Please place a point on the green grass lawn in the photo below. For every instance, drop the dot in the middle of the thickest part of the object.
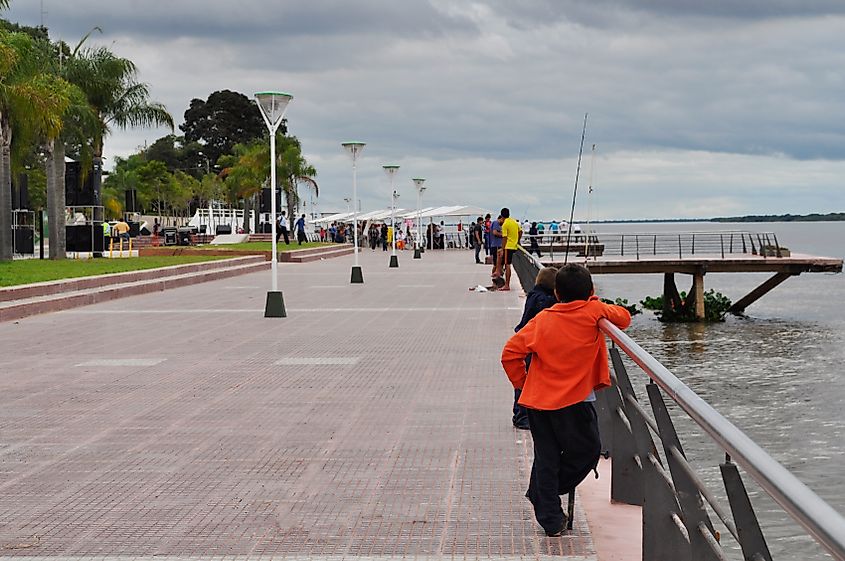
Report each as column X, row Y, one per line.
column 25, row 271
column 265, row 246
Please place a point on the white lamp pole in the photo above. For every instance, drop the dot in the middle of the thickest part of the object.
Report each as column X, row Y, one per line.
column 418, row 183
column 273, row 106
column 391, row 170
column 354, row 149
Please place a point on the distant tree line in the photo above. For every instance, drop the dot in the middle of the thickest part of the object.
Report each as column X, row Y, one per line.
column 815, row 217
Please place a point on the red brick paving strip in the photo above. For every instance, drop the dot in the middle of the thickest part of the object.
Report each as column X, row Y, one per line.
column 220, row 451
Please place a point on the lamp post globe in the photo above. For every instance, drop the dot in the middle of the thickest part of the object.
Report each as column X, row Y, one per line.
column 354, row 149
column 272, row 106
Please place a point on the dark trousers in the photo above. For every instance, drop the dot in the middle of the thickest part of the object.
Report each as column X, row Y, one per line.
column 477, row 251
column 301, row 237
column 534, row 247
column 283, row 232
column 566, row 449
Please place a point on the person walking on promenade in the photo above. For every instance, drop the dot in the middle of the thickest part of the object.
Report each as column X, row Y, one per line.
column 569, row 362
column 384, row 237
column 300, row 230
column 533, row 237
column 511, row 234
column 496, row 245
column 542, row 296
column 283, row 229
column 476, row 233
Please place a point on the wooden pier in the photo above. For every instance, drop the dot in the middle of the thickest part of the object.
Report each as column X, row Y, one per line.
column 752, row 253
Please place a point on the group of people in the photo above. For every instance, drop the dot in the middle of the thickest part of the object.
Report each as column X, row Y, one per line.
column 500, row 239
column 298, row 227
column 381, row 235
column 555, row 361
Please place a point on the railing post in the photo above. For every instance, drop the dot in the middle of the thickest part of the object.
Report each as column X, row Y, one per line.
column 751, row 538
column 692, row 245
column 637, row 239
column 777, row 245
column 623, row 245
column 654, row 249
column 722, row 244
column 680, row 250
column 626, row 483
column 695, row 516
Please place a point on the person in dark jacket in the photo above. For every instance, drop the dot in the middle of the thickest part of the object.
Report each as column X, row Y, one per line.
column 534, row 238
column 542, row 296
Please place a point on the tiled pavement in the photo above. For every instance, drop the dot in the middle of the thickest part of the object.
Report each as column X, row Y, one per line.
column 371, row 423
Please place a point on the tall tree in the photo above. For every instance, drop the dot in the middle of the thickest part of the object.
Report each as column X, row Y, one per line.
column 116, row 97
column 32, row 103
column 225, row 119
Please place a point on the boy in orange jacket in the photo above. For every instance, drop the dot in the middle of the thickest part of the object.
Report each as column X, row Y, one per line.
column 569, row 362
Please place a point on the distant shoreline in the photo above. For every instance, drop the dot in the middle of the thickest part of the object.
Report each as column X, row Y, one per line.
column 830, row 217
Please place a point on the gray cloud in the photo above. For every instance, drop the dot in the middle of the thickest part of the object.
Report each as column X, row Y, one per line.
column 493, row 93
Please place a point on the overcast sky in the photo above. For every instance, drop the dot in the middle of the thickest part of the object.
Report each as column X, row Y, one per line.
column 697, row 109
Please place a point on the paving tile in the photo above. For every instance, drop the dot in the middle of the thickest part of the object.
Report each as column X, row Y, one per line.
column 371, row 423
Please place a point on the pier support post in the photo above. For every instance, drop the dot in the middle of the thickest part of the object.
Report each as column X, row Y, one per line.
column 671, row 298
column 698, row 288
column 740, row 305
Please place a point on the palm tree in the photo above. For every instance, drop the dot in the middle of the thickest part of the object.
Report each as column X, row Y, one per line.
column 117, row 99
column 294, row 169
column 32, row 103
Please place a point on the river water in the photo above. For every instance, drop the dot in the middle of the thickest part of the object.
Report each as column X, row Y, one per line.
column 776, row 372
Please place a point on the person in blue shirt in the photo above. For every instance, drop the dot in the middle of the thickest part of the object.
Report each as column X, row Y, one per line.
column 300, row 230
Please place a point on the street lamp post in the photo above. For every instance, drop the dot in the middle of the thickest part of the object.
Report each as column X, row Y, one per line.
column 418, row 183
column 354, row 149
column 391, row 173
column 272, row 106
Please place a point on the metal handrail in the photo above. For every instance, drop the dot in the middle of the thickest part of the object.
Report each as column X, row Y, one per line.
column 817, row 517
column 677, row 244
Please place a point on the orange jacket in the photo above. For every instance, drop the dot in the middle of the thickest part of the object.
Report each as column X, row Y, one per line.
column 569, row 354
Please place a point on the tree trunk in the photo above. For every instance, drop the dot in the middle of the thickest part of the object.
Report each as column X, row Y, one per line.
column 292, row 198
column 5, row 190
column 56, row 199
column 247, row 201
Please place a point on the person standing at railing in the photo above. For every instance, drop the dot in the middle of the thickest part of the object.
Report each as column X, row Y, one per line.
column 542, row 296
column 496, row 245
column 533, row 234
column 511, row 235
column 487, row 224
column 569, row 362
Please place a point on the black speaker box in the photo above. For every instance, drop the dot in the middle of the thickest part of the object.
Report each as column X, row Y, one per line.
column 77, row 192
column 79, row 238
column 264, row 203
column 24, row 240
column 131, row 196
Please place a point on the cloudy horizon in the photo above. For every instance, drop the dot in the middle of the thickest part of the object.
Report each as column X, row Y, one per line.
column 696, row 109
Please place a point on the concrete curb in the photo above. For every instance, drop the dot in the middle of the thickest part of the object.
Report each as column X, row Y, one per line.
column 94, row 296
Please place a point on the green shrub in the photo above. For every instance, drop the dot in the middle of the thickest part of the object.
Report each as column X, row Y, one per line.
column 716, row 306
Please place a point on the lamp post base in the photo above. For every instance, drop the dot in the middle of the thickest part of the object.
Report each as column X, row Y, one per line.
column 275, row 306
column 394, row 261
column 417, row 253
column 357, row 275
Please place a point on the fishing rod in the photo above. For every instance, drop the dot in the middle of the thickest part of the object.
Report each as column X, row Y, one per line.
column 575, row 191
column 589, row 205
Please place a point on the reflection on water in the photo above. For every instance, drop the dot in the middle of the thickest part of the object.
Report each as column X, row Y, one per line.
column 776, row 374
